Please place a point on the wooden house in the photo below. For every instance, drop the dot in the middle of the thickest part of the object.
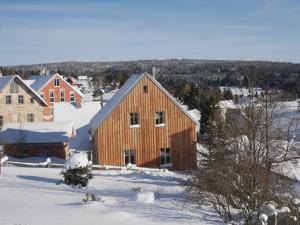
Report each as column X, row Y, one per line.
column 53, row 88
column 143, row 124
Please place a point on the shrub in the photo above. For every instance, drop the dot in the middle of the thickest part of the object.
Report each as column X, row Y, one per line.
column 78, row 176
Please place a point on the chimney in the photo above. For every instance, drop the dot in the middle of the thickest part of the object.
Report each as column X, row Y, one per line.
column 154, row 72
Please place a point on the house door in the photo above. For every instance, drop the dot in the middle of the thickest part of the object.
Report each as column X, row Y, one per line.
column 129, row 157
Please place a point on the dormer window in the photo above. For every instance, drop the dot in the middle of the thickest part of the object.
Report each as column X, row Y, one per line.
column 56, row 82
column 14, row 88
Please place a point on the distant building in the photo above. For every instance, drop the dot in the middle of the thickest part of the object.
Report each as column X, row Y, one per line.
column 19, row 102
column 44, row 139
column 143, row 124
column 242, row 95
column 53, row 88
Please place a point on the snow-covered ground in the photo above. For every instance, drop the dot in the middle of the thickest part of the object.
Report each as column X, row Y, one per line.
column 31, row 196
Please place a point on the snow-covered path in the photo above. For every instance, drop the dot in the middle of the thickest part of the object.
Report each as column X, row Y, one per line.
column 31, row 196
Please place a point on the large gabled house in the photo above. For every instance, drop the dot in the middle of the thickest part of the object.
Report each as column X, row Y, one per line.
column 53, row 88
column 19, row 102
column 143, row 124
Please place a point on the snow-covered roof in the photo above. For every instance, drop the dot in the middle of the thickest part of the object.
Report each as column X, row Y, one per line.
column 6, row 80
column 227, row 104
column 242, row 91
column 122, row 93
column 41, row 81
column 64, row 111
column 83, row 78
column 37, row 132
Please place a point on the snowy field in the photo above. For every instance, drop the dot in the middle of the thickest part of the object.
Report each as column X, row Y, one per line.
column 30, row 196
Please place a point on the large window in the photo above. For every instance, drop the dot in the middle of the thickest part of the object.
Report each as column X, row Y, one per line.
column 62, row 95
column 1, row 121
column 30, row 117
column 14, row 88
column 129, row 157
column 56, row 82
column 20, row 99
column 165, row 156
column 72, row 96
column 134, row 119
column 8, row 99
column 159, row 118
column 51, row 94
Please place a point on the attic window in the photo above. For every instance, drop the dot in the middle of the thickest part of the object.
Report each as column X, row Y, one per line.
column 14, row 88
column 145, row 88
column 56, row 82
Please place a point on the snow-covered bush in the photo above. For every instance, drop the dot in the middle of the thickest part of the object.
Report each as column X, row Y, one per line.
column 77, row 170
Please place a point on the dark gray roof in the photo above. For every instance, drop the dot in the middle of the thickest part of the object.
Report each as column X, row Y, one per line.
column 4, row 80
column 39, row 81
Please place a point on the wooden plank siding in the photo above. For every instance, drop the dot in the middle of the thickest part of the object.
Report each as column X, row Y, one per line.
column 114, row 135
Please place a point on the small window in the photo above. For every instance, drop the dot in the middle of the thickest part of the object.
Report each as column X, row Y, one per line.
column 14, row 88
column 8, row 99
column 1, row 121
column 62, row 95
column 72, row 96
column 31, row 100
column 145, row 88
column 134, row 119
column 160, row 118
column 20, row 99
column 51, row 94
column 30, row 117
column 165, row 156
column 56, row 82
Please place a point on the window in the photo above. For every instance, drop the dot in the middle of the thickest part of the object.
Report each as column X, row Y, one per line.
column 14, row 88
column 56, row 82
column 20, row 99
column 8, row 99
column 30, row 117
column 160, row 118
column 1, row 121
column 31, row 100
column 129, row 157
column 145, row 88
column 51, row 94
column 134, row 119
column 165, row 156
column 62, row 95
column 72, row 96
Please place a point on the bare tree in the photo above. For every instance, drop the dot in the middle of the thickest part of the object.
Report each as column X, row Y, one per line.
column 243, row 169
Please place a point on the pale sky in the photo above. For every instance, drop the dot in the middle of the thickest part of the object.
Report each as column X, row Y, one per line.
column 54, row 31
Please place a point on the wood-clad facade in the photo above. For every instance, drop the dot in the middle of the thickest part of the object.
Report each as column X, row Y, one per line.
column 114, row 136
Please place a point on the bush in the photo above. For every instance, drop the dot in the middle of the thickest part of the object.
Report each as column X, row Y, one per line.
column 78, row 176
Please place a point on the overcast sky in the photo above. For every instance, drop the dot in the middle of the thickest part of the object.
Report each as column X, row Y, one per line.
column 53, row 31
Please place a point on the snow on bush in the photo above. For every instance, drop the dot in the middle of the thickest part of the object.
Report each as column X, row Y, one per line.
column 145, row 196
column 263, row 218
column 285, row 209
column 77, row 160
column 78, row 170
